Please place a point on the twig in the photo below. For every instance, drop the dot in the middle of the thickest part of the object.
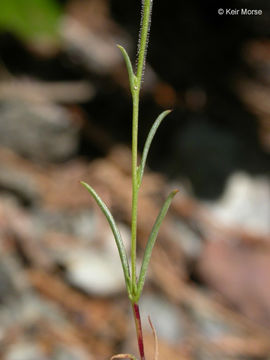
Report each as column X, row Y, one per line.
column 155, row 338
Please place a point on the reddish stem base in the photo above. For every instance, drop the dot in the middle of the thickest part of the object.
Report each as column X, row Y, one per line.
column 137, row 318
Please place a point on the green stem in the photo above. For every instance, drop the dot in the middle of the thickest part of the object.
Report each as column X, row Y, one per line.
column 134, row 190
column 145, row 25
column 144, row 32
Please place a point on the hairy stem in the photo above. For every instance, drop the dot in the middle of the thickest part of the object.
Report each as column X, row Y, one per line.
column 145, row 24
column 134, row 191
column 138, row 324
column 143, row 41
column 144, row 32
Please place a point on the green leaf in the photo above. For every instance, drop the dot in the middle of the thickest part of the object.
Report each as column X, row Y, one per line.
column 132, row 77
column 148, row 142
column 30, row 19
column 151, row 242
column 116, row 233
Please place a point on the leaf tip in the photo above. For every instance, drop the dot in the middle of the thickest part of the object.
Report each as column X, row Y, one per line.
column 84, row 184
column 174, row 192
column 122, row 49
column 166, row 112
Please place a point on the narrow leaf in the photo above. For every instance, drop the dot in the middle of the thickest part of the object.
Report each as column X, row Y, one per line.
column 148, row 142
column 131, row 75
column 151, row 242
column 115, row 231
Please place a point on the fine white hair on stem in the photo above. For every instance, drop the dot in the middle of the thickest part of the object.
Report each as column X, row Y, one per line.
column 140, row 37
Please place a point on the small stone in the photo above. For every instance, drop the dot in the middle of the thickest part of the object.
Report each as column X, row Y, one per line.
column 25, row 351
column 189, row 241
column 245, row 203
column 95, row 272
column 165, row 317
column 21, row 185
column 39, row 131
column 80, row 224
column 69, row 353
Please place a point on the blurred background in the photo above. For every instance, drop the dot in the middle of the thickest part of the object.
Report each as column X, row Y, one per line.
column 65, row 116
